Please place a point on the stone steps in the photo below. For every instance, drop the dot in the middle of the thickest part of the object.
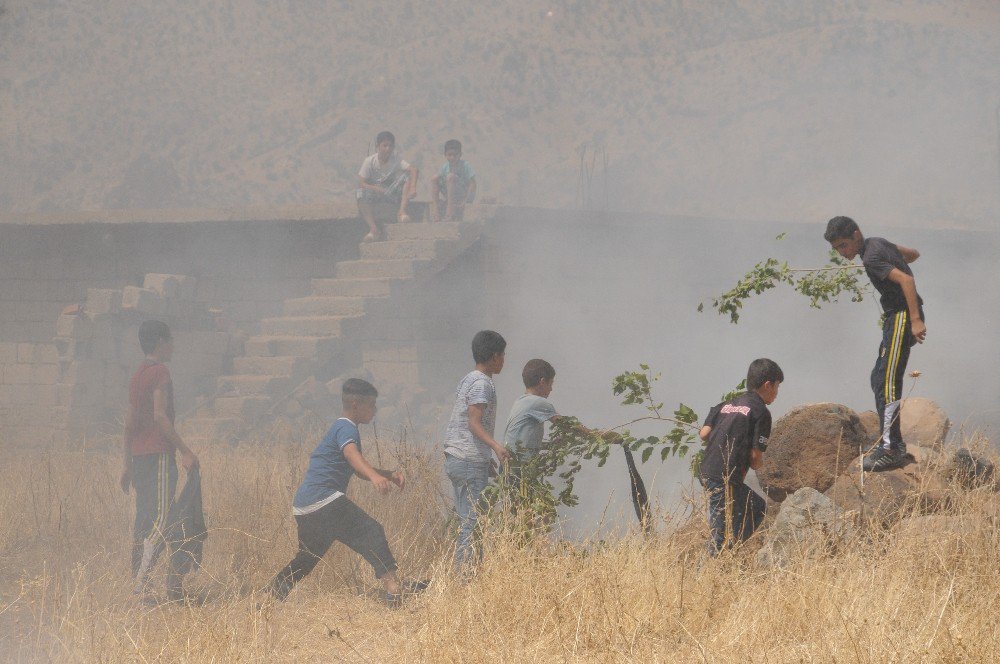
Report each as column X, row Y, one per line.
column 395, row 249
column 284, row 345
column 242, row 385
column 306, row 326
column 241, row 408
column 281, row 365
column 353, row 287
column 369, row 269
column 325, row 305
column 426, row 231
column 317, row 330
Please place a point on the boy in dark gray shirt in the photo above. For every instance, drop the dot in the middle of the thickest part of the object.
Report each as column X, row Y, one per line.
column 887, row 265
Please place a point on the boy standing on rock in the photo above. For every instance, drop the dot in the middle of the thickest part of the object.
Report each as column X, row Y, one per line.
column 736, row 433
column 887, row 265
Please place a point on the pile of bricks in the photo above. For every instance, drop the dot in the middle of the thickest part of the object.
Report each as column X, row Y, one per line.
column 78, row 385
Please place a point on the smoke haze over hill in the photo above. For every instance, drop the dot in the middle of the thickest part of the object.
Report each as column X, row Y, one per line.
column 741, row 110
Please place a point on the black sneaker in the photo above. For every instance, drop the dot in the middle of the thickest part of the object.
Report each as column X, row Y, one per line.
column 882, row 459
column 408, row 588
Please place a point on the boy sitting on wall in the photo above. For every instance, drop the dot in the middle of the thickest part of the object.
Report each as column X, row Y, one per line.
column 386, row 183
column 454, row 185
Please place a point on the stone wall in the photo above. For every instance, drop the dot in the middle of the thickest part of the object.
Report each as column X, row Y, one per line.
column 77, row 386
column 244, row 268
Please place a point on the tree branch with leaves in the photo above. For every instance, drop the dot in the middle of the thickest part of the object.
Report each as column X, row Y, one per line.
column 821, row 285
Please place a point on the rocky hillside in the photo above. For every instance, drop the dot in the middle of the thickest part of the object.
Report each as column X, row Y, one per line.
column 744, row 109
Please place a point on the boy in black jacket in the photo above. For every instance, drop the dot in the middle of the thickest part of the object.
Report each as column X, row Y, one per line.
column 736, row 432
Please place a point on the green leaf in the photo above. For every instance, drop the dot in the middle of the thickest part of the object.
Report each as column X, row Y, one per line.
column 646, row 453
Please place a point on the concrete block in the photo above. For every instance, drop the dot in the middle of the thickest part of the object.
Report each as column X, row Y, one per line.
column 31, row 374
column 166, row 285
column 30, row 395
column 104, row 347
column 79, row 395
column 208, row 342
column 84, row 372
column 37, row 354
column 73, row 326
column 187, row 287
column 8, row 353
column 102, row 301
column 143, row 300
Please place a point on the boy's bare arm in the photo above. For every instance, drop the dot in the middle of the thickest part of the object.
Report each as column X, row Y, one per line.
column 705, row 432
column 909, row 255
column 414, row 176
column 471, row 196
column 366, row 185
column 126, row 476
column 188, row 458
column 382, row 480
column 476, row 427
column 909, row 288
column 756, row 458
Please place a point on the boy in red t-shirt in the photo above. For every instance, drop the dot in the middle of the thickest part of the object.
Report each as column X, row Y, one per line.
column 150, row 444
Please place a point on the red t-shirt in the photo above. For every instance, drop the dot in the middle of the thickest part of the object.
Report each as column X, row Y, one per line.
column 148, row 439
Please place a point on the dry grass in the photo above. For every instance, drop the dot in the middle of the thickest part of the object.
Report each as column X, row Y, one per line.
column 64, row 592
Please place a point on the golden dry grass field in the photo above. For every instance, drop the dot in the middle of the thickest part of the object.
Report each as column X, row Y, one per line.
column 887, row 596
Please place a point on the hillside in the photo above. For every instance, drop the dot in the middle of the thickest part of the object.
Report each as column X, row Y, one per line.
column 791, row 111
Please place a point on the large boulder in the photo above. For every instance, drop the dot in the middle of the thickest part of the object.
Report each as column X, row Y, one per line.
column 810, row 447
column 886, row 496
column 808, row 522
column 923, row 423
column 873, row 427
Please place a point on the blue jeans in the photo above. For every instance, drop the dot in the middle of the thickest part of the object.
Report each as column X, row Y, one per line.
column 746, row 511
column 469, row 480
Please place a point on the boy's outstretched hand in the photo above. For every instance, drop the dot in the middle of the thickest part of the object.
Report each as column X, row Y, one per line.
column 398, row 479
column 381, row 484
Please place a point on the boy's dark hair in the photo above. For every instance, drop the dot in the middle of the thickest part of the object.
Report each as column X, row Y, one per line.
column 385, row 136
column 151, row 333
column 486, row 344
column 535, row 370
column 354, row 389
column 453, row 144
column 839, row 228
column 761, row 371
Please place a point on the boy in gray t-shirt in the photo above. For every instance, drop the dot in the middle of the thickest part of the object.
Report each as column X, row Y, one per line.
column 468, row 443
column 526, row 424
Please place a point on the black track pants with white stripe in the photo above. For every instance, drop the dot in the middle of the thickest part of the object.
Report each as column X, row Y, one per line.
column 154, row 477
column 887, row 376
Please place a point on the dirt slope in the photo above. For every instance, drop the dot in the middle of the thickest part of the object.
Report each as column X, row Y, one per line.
column 793, row 110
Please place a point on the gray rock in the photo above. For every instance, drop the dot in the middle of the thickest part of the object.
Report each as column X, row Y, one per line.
column 807, row 523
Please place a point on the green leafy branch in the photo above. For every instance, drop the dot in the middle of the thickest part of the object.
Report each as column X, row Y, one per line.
column 533, row 487
column 820, row 285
